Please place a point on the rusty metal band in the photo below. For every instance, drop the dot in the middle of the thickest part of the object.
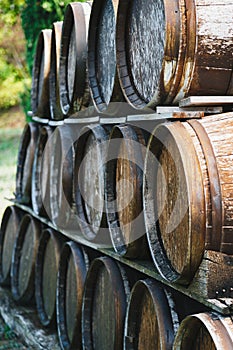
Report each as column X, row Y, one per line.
column 215, row 186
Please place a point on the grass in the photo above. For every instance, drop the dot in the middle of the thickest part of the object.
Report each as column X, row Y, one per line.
column 11, row 127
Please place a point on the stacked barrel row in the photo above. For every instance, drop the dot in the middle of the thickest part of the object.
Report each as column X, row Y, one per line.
column 117, row 57
column 96, row 302
column 160, row 191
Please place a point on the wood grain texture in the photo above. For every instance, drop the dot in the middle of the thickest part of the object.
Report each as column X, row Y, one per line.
column 26, row 153
column 8, row 233
column 40, row 75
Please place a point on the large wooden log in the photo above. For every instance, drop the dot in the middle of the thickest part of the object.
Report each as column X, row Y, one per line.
column 188, row 191
column 167, row 50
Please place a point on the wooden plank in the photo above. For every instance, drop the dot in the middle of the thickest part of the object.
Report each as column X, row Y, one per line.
column 24, row 321
column 81, row 120
column 40, row 120
column 55, row 122
column 168, row 115
column 206, row 101
column 175, row 109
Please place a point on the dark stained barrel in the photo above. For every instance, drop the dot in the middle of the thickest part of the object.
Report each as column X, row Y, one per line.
column 40, row 75
column 26, row 154
column 24, row 259
column 103, row 78
column 8, row 233
column 74, row 91
column 205, row 331
column 47, row 263
column 123, row 190
column 40, row 173
column 54, row 95
column 89, row 181
column 104, row 305
column 63, row 149
column 168, row 50
column 187, row 186
column 151, row 318
column 71, row 277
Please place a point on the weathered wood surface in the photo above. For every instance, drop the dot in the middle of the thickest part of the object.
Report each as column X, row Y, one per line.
column 89, row 182
column 123, row 190
column 46, row 270
column 102, row 74
column 62, row 201
column 8, row 233
column 24, row 321
column 205, row 331
column 151, row 317
column 40, row 75
column 198, row 101
column 169, row 50
column 24, row 259
column 188, row 192
column 41, row 173
column 72, row 272
column 104, row 305
column 74, row 90
column 54, row 93
column 25, row 159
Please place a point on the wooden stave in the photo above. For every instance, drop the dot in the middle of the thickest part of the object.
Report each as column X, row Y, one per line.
column 121, row 284
column 54, row 98
column 62, row 200
column 41, row 206
column 218, row 328
column 194, row 65
column 14, row 214
column 81, row 260
column 164, row 312
column 214, row 173
column 26, row 148
column 77, row 15
column 40, row 95
column 46, row 318
column 137, row 248
column 101, row 135
column 97, row 14
column 25, row 296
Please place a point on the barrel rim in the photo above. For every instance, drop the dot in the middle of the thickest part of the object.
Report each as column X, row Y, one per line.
column 196, row 241
column 28, row 295
column 70, row 250
column 114, row 271
column 101, row 134
column 46, row 235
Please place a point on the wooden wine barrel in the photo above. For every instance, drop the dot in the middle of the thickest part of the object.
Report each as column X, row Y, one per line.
column 26, row 154
column 123, row 190
column 169, row 50
column 104, row 305
column 74, row 91
column 188, row 188
column 46, row 270
column 24, row 259
column 151, row 318
column 102, row 74
column 8, row 233
column 71, row 277
column 54, row 95
column 40, row 173
column 205, row 331
column 62, row 202
column 40, row 75
column 89, row 182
